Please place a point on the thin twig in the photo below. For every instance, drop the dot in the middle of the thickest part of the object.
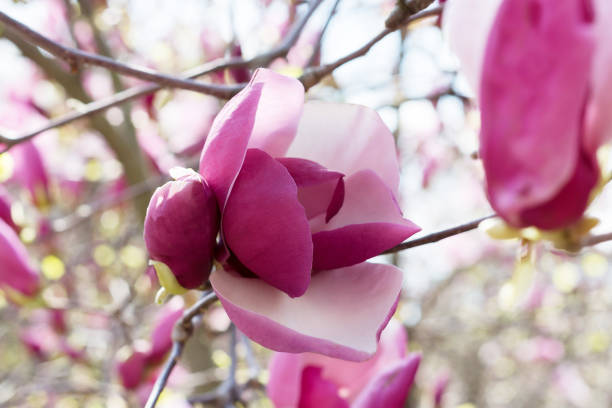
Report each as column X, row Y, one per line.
column 317, row 48
column 313, row 76
column 438, row 236
column 280, row 51
column 77, row 57
column 181, row 333
column 597, row 239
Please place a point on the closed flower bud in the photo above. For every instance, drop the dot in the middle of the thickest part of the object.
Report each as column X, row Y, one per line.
column 180, row 231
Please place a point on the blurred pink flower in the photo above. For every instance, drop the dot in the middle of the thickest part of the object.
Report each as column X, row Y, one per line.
column 31, row 173
column 545, row 90
column 303, row 187
column 16, row 272
column 310, row 380
column 5, row 209
column 440, row 387
column 140, row 366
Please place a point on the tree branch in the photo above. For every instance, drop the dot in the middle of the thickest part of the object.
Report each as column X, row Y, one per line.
column 313, row 76
column 77, row 57
column 438, row 236
column 183, row 329
column 280, row 51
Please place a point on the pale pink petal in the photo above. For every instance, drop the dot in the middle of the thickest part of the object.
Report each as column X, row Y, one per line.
column 318, row 392
column 341, row 314
column 278, row 112
column 347, row 138
column 466, row 25
column 538, row 53
column 368, row 223
column 265, row 226
column 390, row 388
column 599, row 117
column 319, row 189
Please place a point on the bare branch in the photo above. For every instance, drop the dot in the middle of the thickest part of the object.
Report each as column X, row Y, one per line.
column 317, row 48
column 181, row 333
column 438, row 236
column 90, row 109
column 313, row 76
column 77, row 57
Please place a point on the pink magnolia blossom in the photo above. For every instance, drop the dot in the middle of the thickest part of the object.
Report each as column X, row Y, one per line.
column 307, row 191
column 542, row 69
column 310, row 380
column 180, row 230
column 16, row 272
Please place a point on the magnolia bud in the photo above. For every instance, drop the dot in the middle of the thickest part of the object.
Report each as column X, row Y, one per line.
column 180, row 231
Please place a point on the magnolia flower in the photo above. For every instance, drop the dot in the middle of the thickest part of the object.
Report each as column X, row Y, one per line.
column 542, row 72
column 180, row 230
column 310, row 380
column 16, row 272
column 307, row 192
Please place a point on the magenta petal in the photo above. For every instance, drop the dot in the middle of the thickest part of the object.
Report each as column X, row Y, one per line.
column 319, row 189
column 265, row 226
column 227, row 141
column 5, row 209
column 278, row 112
column 368, row 223
column 15, row 270
column 317, row 392
column 131, row 371
column 569, row 204
column 347, row 138
column 340, row 315
column 538, row 53
column 390, row 388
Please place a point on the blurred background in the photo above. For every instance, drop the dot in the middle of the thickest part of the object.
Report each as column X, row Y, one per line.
column 493, row 331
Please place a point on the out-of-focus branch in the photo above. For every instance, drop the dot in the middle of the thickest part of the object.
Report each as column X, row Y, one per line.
column 314, row 75
column 597, row 239
column 76, row 57
column 280, row 51
column 125, row 148
column 438, row 236
column 317, row 48
column 183, row 329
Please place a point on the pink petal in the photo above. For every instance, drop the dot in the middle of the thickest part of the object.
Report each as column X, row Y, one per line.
column 131, row 371
column 265, row 226
column 368, row 223
column 319, row 190
column 340, row 315
column 263, row 115
column 317, row 392
column 390, row 388
column 347, row 138
column 15, row 271
column 599, row 119
column 278, row 112
column 466, row 25
column 538, row 53
column 5, row 208
column 227, row 141
column 31, row 173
